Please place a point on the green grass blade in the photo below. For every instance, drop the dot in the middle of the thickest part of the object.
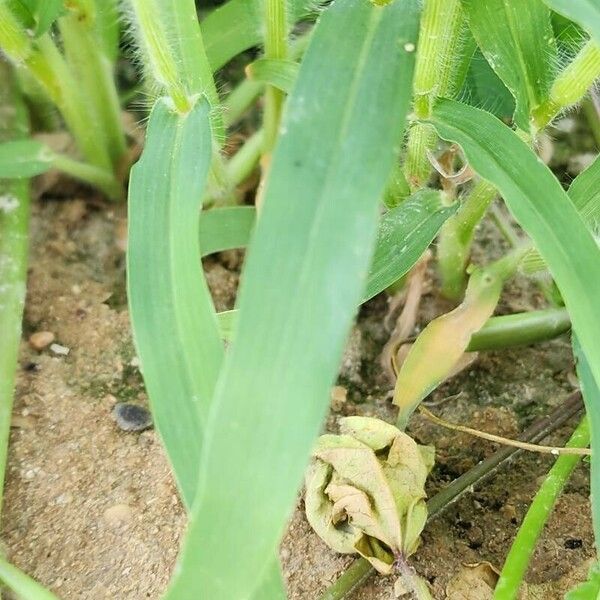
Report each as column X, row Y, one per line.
column 23, row 585
column 517, row 40
column 591, row 397
column 303, row 279
column 238, row 25
column 540, row 205
column 404, row 234
column 226, row 228
column 174, row 323
column 537, row 515
column 584, row 12
column 280, row 73
column 14, row 245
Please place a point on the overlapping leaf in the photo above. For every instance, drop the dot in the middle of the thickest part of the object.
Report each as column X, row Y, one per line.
column 303, row 279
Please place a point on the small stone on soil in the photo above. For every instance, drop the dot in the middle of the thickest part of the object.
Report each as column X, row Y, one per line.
column 132, row 417
column 60, row 350
column 41, row 339
column 117, row 515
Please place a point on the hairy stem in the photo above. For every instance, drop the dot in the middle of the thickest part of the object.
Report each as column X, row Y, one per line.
column 570, row 86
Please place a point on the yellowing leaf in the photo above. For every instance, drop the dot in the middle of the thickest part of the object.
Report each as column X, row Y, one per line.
column 365, row 491
column 443, row 342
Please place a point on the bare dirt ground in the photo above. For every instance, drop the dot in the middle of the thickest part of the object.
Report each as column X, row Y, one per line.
column 92, row 512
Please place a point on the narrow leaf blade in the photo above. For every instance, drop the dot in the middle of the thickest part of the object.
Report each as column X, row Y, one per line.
column 174, row 322
column 405, row 232
column 303, row 279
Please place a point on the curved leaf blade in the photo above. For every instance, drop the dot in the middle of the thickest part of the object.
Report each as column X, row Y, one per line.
column 405, row 232
column 540, row 205
column 303, row 279
column 173, row 318
column 226, row 228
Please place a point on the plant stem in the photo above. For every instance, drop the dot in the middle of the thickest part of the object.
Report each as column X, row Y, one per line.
column 45, row 63
column 102, row 179
column 360, row 570
column 276, row 42
column 14, row 228
column 161, row 61
column 521, row 329
column 243, row 162
column 531, row 528
column 456, row 238
column 95, row 77
column 570, row 86
column 591, row 112
column 435, row 71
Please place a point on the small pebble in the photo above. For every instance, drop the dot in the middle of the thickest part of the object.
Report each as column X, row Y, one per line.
column 117, row 515
column 132, row 417
column 41, row 339
column 60, row 350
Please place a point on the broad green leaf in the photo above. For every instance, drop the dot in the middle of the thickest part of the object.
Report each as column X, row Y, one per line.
column 239, row 25
column 591, row 398
column 174, row 322
column 226, row 228
column 404, row 234
column 517, row 39
column 584, row 12
column 542, row 208
column 278, row 73
column 24, row 158
column 303, row 279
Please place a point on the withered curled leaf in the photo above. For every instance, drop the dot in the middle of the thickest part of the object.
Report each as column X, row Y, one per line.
column 365, row 491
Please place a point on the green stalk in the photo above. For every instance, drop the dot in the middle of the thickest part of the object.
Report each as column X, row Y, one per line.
column 438, row 52
column 523, row 546
column 276, row 47
column 23, row 585
column 48, row 68
column 14, row 227
column 243, row 162
column 570, row 86
column 161, row 61
column 93, row 71
column 191, row 58
column 456, row 238
column 99, row 178
column 520, row 329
